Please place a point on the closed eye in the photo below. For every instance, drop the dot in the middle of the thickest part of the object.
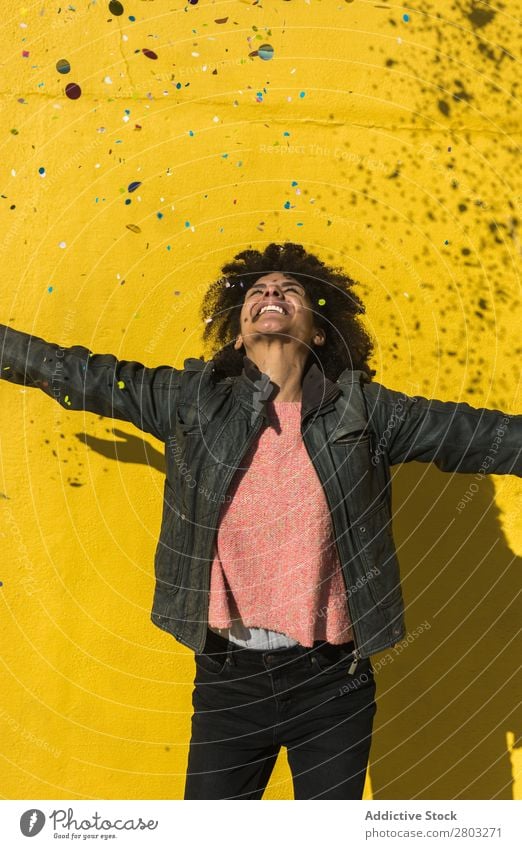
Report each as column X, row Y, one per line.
column 290, row 288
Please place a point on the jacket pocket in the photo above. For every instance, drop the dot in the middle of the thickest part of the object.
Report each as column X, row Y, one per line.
column 376, row 546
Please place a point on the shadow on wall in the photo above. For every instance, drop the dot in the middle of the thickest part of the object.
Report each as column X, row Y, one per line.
column 131, row 449
column 448, row 698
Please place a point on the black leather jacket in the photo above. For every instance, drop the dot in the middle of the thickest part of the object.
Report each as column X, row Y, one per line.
column 353, row 429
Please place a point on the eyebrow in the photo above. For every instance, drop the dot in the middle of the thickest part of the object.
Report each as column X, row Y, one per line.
column 287, row 280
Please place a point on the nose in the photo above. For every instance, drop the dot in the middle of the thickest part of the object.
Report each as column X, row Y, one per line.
column 273, row 289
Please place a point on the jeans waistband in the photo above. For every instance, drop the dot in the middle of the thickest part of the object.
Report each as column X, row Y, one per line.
column 216, row 644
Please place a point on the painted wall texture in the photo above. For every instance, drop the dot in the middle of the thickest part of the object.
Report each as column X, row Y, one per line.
column 143, row 144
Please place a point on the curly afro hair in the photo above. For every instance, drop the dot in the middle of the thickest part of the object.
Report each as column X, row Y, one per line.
column 330, row 290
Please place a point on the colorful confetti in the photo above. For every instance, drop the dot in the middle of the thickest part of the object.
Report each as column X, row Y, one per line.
column 265, row 52
column 133, row 186
column 115, row 8
column 63, row 66
column 73, row 91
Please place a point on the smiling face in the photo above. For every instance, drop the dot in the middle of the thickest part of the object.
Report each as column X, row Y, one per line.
column 277, row 305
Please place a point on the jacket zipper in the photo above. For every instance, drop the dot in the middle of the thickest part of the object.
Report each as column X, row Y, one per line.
column 356, row 652
column 355, row 661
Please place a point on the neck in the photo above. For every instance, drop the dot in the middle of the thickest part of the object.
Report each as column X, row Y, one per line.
column 287, row 375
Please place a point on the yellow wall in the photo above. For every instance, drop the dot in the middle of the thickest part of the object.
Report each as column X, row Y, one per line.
column 404, row 150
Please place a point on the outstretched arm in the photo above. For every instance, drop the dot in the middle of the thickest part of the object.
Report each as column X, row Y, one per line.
column 454, row 436
column 99, row 383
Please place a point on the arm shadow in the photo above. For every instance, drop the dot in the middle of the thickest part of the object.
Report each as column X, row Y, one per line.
column 132, row 449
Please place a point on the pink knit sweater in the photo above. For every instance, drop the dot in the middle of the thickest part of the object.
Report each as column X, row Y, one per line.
column 276, row 564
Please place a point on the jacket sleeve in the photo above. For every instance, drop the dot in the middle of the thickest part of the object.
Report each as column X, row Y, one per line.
column 99, row 383
column 453, row 435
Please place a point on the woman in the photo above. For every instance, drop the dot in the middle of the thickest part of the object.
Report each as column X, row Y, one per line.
column 288, row 652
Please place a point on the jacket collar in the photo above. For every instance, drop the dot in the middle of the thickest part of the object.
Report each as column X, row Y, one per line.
column 255, row 386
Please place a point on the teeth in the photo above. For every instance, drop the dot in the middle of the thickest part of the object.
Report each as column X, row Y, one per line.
column 271, row 307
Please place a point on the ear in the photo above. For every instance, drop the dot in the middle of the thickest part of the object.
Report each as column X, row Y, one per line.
column 319, row 337
column 238, row 343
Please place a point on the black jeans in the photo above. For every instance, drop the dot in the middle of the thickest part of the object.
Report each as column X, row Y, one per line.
column 248, row 703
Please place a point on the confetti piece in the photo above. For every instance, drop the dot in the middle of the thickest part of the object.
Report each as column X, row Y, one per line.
column 115, row 8
column 73, row 91
column 302, row 93
column 63, row 66
column 121, row 384
column 133, row 228
column 406, row 18
column 41, row 171
column 66, row 400
column 25, row 53
column 149, row 53
column 62, row 244
column 49, row 288
column 220, row 20
column 321, row 302
column 133, row 186
column 265, row 52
